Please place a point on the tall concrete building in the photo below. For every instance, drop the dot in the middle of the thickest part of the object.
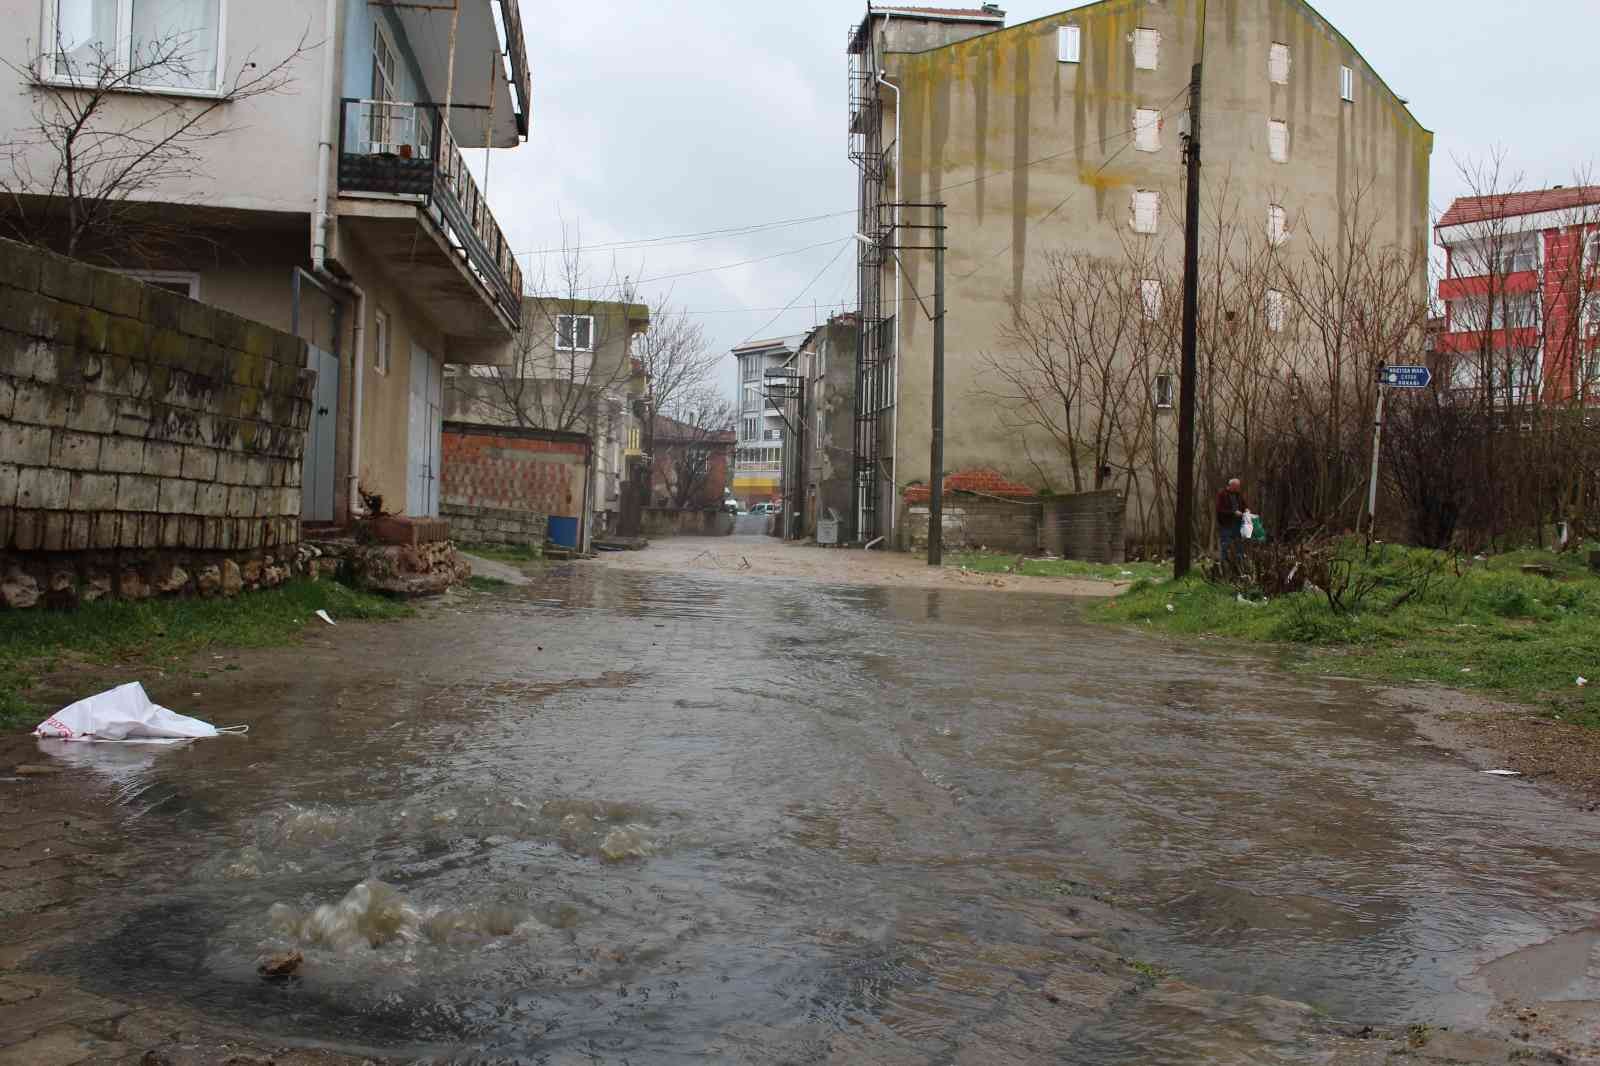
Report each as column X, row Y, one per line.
column 758, row 462
column 1066, row 134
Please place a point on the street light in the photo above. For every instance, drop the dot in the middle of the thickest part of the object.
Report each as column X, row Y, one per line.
column 864, row 239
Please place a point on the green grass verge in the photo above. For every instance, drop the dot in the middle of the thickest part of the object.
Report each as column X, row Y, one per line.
column 155, row 631
column 504, row 553
column 1492, row 629
column 998, row 563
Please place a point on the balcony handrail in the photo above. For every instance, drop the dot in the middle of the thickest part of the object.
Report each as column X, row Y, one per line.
column 456, row 203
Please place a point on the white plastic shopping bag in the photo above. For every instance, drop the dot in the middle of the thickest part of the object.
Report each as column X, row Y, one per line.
column 1247, row 526
column 123, row 713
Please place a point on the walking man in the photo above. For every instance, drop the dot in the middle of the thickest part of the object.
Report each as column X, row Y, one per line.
column 1231, row 507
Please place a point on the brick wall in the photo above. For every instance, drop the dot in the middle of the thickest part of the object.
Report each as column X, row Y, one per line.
column 499, row 472
column 1085, row 525
column 133, row 419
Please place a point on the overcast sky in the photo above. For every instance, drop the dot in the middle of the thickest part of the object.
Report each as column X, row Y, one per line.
column 654, row 119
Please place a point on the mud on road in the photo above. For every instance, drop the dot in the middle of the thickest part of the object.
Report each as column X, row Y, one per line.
column 627, row 815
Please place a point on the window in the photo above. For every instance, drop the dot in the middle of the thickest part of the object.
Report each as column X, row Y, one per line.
column 1147, row 129
column 1278, row 140
column 575, row 333
column 751, row 365
column 1146, row 48
column 773, row 434
column 152, row 44
column 1146, row 210
column 1069, row 44
column 1277, row 225
column 380, row 344
column 1347, row 83
column 1164, row 390
column 1278, row 64
column 1591, row 252
column 182, row 282
column 1510, row 312
column 752, row 428
column 1150, row 298
column 1277, row 310
column 1517, row 254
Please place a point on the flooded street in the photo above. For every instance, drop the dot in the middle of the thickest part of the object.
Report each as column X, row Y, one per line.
column 622, row 816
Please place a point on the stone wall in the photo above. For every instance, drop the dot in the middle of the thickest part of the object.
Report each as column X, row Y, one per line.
column 688, row 522
column 495, row 525
column 1086, row 526
column 972, row 522
column 143, row 435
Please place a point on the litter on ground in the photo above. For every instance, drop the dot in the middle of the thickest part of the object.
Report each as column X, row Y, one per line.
column 126, row 713
column 324, row 616
column 1501, row 773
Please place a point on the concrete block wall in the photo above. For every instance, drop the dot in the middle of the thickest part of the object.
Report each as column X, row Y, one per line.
column 972, row 521
column 1085, row 525
column 495, row 525
column 136, row 420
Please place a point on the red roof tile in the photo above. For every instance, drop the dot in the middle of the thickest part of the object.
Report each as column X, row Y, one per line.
column 1469, row 209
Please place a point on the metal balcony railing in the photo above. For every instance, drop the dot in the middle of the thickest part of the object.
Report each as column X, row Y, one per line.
column 406, row 149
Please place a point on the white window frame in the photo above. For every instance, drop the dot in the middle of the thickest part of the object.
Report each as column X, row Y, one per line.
column 1150, row 298
column 574, row 346
column 1140, row 200
column 1069, row 43
column 168, row 277
column 1279, row 61
column 1347, row 84
column 48, row 74
column 1277, row 311
column 1278, row 140
column 1147, row 47
column 1147, row 129
column 380, row 347
column 1165, row 392
column 1277, row 225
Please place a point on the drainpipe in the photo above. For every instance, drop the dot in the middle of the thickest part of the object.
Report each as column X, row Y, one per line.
column 899, row 286
column 320, row 226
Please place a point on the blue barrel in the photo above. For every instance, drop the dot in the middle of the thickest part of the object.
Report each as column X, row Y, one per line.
column 564, row 531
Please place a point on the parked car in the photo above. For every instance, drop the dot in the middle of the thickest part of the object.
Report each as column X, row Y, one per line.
column 761, row 508
column 730, row 507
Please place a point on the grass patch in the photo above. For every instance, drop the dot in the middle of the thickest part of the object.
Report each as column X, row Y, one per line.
column 504, row 553
column 486, row 584
column 1493, row 628
column 155, row 631
column 1000, row 563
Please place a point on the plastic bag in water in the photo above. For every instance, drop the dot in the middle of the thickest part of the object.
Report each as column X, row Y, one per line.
column 123, row 713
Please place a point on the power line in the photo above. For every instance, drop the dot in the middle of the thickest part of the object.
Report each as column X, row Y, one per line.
column 703, row 270
column 818, row 277
column 689, row 238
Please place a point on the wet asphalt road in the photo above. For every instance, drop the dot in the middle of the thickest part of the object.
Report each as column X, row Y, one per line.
column 662, row 818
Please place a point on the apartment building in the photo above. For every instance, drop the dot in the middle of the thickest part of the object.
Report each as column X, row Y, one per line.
column 338, row 206
column 758, row 460
column 571, row 370
column 1065, row 135
column 819, row 460
column 1521, row 295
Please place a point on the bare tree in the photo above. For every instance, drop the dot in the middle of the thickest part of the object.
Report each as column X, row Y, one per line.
column 100, row 147
column 679, row 361
column 690, row 434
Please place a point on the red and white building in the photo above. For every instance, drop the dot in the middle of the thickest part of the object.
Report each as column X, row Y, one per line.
column 1521, row 294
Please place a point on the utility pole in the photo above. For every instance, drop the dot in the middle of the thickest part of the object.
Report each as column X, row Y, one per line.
column 1377, row 447
column 1183, row 545
column 936, row 446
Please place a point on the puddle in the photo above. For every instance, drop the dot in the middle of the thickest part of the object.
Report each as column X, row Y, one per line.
column 650, row 818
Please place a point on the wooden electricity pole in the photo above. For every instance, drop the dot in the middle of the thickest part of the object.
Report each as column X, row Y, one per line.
column 1183, row 543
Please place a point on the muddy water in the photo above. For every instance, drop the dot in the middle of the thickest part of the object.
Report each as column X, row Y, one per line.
column 638, row 818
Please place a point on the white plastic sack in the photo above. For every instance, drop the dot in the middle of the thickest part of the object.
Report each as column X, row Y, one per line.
column 123, row 713
column 1247, row 526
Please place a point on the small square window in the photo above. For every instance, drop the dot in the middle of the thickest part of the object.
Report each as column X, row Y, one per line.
column 1146, row 211
column 1347, row 83
column 1150, row 298
column 1277, row 310
column 1277, row 225
column 575, row 333
column 1147, row 129
column 1278, row 140
column 1164, row 390
column 1146, row 49
column 1069, row 44
column 380, row 344
column 1278, row 64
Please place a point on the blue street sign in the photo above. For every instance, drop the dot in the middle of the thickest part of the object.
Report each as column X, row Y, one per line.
column 1407, row 377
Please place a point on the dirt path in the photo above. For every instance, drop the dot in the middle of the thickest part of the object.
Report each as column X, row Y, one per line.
column 765, row 557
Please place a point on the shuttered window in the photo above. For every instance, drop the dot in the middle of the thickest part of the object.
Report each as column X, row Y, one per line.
column 1278, row 140
column 1278, row 64
column 1146, row 210
column 1146, row 48
column 1069, row 44
column 1147, row 129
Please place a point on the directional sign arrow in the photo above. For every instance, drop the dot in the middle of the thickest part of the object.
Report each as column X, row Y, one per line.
column 1407, row 377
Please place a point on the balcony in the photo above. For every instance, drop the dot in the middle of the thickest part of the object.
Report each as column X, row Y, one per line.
column 1461, row 286
column 401, row 171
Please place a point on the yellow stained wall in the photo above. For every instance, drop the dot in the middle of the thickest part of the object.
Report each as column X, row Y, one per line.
column 1033, row 155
